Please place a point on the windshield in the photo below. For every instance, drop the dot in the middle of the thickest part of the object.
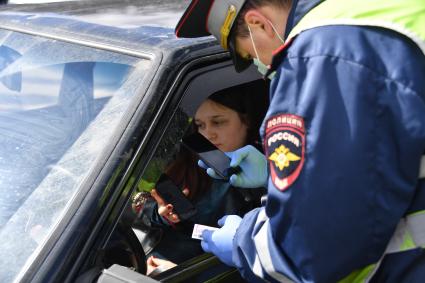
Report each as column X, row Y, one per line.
column 60, row 104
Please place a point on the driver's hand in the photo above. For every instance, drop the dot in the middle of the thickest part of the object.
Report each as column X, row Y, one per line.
column 158, row 265
column 166, row 209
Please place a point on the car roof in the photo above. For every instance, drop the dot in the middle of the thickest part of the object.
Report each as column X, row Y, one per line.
column 158, row 12
column 143, row 25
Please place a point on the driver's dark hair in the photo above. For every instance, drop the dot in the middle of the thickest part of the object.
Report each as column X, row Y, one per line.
column 250, row 101
column 240, row 28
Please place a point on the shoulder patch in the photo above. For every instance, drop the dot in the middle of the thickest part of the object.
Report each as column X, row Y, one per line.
column 285, row 147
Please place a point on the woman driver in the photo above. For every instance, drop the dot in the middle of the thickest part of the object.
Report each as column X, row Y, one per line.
column 229, row 122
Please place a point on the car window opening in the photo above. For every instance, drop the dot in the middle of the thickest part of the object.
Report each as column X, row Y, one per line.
column 228, row 118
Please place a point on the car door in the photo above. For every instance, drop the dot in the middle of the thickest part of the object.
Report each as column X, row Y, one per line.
column 196, row 81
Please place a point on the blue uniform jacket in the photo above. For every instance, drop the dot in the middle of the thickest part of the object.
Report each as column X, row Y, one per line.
column 344, row 135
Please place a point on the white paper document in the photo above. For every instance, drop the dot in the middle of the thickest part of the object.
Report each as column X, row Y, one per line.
column 198, row 229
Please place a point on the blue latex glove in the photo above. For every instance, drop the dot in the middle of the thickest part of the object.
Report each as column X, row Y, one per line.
column 210, row 171
column 220, row 242
column 253, row 166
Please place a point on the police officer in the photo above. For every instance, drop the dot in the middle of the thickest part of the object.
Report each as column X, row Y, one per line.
column 344, row 136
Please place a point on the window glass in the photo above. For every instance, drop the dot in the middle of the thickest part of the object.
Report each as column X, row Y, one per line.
column 166, row 219
column 165, row 151
column 60, row 105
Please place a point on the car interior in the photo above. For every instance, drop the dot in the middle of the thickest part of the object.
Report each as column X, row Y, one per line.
column 124, row 253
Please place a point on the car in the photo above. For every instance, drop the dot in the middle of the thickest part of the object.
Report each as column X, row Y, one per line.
column 94, row 99
column 32, row 1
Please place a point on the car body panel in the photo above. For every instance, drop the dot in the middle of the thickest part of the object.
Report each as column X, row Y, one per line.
column 87, row 210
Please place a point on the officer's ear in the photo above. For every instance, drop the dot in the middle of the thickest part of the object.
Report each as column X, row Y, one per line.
column 255, row 19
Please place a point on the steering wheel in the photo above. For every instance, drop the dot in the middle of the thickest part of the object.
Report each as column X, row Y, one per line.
column 125, row 249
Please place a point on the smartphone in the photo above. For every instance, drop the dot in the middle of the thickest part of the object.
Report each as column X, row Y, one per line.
column 172, row 194
column 210, row 155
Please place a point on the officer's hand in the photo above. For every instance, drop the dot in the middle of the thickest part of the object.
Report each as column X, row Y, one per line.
column 253, row 166
column 220, row 242
column 210, row 171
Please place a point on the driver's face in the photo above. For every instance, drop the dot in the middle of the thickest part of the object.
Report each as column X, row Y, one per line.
column 221, row 125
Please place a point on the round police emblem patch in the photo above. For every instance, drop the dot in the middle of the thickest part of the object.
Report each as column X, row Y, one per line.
column 285, row 146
